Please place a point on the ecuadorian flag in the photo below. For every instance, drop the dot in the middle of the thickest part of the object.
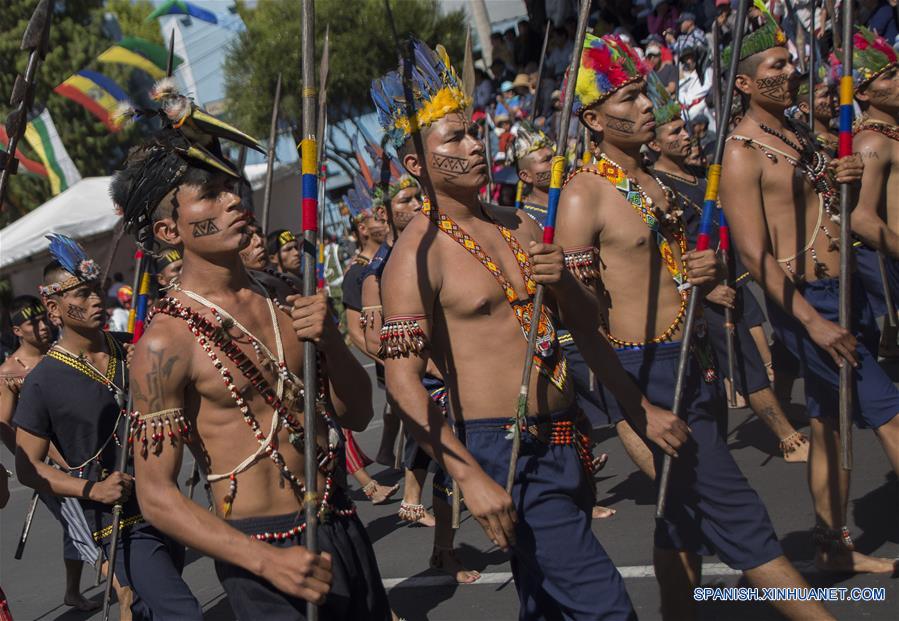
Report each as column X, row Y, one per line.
column 140, row 53
column 96, row 92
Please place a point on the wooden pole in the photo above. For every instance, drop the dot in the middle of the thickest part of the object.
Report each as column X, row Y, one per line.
column 702, row 242
column 309, row 154
column 270, row 156
column 549, row 230
column 845, row 150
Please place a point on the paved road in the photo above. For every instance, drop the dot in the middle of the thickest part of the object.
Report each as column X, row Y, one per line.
column 35, row 584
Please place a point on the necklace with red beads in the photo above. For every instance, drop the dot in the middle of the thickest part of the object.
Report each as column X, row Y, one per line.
column 211, row 337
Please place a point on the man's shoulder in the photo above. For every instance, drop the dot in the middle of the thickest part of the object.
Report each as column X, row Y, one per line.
column 874, row 141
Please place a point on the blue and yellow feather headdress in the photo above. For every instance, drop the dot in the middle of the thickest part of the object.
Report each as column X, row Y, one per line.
column 73, row 259
column 423, row 90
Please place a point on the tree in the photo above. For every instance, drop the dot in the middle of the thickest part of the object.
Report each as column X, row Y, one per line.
column 361, row 49
column 77, row 37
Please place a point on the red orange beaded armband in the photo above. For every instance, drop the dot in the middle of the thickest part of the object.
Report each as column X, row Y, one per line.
column 155, row 427
column 402, row 336
column 581, row 262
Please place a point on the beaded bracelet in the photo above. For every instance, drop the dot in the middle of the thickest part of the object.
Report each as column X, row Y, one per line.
column 402, row 336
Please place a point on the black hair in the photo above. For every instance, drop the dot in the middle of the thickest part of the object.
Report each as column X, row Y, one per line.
column 21, row 303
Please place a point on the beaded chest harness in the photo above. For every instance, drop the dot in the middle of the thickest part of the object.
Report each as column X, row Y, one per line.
column 547, row 355
column 211, row 337
column 813, row 165
column 654, row 219
column 115, row 365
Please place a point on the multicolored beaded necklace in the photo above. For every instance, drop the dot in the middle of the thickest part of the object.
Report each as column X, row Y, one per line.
column 653, row 218
column 888, row 130
column 208, row 336
column 116, row 363
column 547, row 355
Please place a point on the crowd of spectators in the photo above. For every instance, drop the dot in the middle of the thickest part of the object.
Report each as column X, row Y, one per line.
column 676, row 37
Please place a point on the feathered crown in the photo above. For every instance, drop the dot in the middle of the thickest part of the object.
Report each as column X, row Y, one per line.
column 359, row 200
column 422, row 91
column 665, row 107
column 766, row 36
column 872, row 56
column 607, row 64
column 189, row 138
column 527, row 140
column 71, row 256
column 822, row 76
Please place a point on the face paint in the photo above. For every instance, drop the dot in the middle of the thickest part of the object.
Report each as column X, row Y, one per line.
column 450, row 165
column 622, row 126
column 542, row 178
column 775, row 88
column 76, row 312
column 204, row 228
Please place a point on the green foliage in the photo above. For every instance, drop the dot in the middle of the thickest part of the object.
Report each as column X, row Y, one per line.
column 361, row 48
column 77, row 37
column 131, row 15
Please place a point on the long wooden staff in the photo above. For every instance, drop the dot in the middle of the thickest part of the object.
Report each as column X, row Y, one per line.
column 136, row 327
column 532, row 113
column 724, row 237
column 702, row 241
column 26, row 527
column 845, row 150
column 811, row 68
column 270, row 156
column 309, row 154
column 321, row 128
column 36, row 39
column 549, row 231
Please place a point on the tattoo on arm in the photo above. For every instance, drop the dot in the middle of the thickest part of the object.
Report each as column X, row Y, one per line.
column 202, row 228
column 160, row 372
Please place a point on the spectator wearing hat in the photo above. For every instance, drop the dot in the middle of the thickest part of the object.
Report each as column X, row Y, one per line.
column 118, row 317
column 727, row 20
column 665, row 70
column 694, row 87
column 690, row 36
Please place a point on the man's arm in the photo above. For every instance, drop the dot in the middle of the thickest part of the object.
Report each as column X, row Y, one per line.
column 404, row 296
column 741, row 200
column 8, row 397
column 578, row 227
column 159, row 375
column 350, row 388
column 371, row 299
column 867, row 221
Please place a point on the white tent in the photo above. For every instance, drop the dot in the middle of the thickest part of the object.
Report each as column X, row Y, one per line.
column 83, row 211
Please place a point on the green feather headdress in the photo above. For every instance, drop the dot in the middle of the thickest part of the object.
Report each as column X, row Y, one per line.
column 665, row 107
column 763, row 38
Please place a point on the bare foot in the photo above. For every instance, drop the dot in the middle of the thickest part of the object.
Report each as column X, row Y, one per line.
column 856, row 562
column 417, row 514
column 81, row 603
column 379, row 494
column 795, row 447
column 445, row 560
column 600, row 512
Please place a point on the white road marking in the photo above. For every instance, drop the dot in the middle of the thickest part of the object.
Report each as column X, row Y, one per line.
column 501, row 577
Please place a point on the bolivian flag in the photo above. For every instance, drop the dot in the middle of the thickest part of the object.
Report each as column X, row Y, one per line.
column 96, row 92
column 140, row 53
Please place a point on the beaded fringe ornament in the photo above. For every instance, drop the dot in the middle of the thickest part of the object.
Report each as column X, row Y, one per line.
column 581, row 262
column 401, row 337
column 154, row 428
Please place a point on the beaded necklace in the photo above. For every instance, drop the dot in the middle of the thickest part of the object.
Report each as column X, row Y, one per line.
column 888, row 130
column 83, row 365
column 650, row 214
column 208, row 335
column 547, row 356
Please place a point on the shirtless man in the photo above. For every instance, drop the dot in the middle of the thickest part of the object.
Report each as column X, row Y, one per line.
column 671, row 147
column 825, row 109
column 238, row 370
column 284, row 254
column 168, row 267
column 454, row 297
column 31, row 326
column 877, row 141
column 624, row 237
column 404, row 196
column 788, row 241
column 74, row 398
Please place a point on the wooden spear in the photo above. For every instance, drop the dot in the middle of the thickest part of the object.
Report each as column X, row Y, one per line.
column 549, row 230
column 702, row 241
